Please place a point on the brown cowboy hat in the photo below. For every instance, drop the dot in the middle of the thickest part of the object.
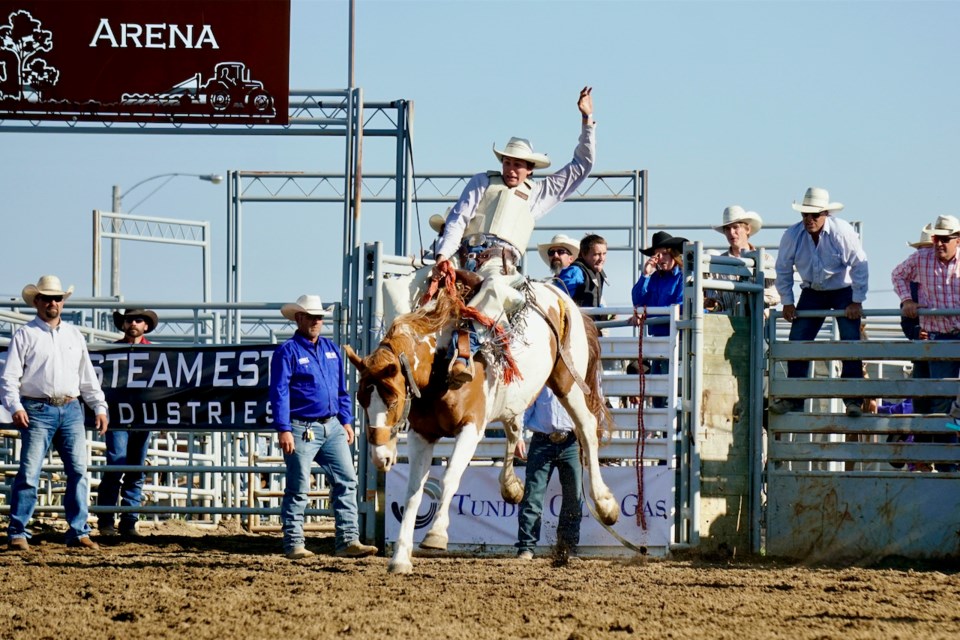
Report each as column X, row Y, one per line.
column 663, row 240
column 146, row 314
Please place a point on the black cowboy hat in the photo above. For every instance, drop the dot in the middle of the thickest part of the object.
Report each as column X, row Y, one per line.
column 146, row 314
column 663, row 240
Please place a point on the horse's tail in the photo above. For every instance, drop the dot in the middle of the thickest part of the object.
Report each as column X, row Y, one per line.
column 596, row 402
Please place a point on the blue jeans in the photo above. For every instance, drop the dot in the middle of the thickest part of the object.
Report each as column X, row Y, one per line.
column 542, row 458
column 63, row 428
column 940, row 370
column 807, row 329
column 328, row 449
column 123, row 448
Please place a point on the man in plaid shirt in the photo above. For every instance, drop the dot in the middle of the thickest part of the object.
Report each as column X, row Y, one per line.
column 936, row 270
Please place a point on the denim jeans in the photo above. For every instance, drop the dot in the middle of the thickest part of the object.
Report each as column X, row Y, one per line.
column 63, row 428
column 807, row 329
column 940, row 370
column 330, row 451
column 542, row 458
column 123, row 448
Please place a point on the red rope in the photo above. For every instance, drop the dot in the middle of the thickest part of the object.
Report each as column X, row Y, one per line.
column 641, row 428
column 448, row 276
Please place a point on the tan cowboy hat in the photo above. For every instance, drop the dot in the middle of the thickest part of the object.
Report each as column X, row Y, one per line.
column 816, row 200
column 437, row 221
column 735, row 213
column 146, row 314
column 304, row 304
column 945, row 226
column 559, row 240
column 663, row 240
column 46, row 285
column 522, row 149
column 926, row 238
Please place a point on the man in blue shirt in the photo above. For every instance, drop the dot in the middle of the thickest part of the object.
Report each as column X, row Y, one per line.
column 308, row 396
column 832, row 265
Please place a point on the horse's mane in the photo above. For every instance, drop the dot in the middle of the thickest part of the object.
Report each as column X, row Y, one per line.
column 407, row 329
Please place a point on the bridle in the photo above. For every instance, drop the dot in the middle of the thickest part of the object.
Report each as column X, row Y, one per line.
column 375, row 434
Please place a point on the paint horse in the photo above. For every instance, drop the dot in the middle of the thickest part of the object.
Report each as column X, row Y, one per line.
column 404, row 382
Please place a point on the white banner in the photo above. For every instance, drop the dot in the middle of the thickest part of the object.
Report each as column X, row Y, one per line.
column 478, row 515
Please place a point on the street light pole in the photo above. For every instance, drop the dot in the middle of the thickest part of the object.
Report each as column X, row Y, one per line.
column 116, row 198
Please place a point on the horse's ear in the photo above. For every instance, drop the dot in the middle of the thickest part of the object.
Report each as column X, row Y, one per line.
column 352, row 356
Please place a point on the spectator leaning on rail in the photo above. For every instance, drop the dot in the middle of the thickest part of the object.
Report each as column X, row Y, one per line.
column 827, row 254
column 489, row 227
column 738, row 227
column 47, row 369
column 936, row 271
column 125, row 446
column 660, row 285
column 585, row 278
column 313, row 415
column 553, row 445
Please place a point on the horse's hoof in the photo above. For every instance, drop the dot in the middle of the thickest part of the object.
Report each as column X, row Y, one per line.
column 512, row 492
column 400, row 567
column 608, row 510
column 434, row 541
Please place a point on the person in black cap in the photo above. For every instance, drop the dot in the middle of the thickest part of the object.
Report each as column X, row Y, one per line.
column 660, row 285
column 125, row 446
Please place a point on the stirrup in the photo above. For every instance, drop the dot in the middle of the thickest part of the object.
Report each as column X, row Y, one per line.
column 460, row 373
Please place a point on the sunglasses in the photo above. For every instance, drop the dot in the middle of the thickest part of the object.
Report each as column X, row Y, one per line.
column 814, row 216
column 44, row 298
column 558, row 252
column 944, row 239
column 137, row 319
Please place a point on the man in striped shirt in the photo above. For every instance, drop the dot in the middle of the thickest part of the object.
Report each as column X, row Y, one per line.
column 936, row 270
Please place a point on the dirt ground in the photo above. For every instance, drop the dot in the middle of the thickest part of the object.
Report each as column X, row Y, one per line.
column 181, row 583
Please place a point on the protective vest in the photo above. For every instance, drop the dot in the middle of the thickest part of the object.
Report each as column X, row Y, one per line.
column 504, row 212
column 592, row 290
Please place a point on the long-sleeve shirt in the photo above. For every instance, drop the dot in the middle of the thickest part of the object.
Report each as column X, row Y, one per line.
column 659, row 289
column 49, row 362
column 547, row 193
column 547, row 415
column 835, row 262
column 731, row 302
column 307, row 383
column 938, row 286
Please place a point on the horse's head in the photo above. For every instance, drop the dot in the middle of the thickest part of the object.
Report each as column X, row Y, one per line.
column 386, row 391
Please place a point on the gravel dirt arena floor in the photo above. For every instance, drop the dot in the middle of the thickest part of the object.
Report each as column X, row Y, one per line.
column 183, row 583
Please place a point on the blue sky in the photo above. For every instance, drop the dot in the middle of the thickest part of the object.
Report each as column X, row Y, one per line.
column 723, row 102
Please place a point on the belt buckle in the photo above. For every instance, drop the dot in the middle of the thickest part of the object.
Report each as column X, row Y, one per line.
column 58, row 402
column 558, row 436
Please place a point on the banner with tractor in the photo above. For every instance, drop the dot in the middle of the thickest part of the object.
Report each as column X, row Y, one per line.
column 176, row 61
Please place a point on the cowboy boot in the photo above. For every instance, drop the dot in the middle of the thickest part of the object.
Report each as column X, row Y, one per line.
column 461, row 368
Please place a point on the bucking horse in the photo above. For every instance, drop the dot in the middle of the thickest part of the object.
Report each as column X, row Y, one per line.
column 403, row 384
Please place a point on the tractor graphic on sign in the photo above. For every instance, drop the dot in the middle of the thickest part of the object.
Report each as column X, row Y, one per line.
column 228, row 90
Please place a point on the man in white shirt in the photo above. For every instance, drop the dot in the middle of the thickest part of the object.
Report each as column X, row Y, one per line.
column 832, row 265
column 489, row 227
column 47, row 370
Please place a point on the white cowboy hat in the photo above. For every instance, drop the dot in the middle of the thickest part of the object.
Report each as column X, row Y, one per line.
column 46, row 285
column 437, row 221
column 945, row 226
column 304, row 304
column 735, row 213
column 926, row 238
column 522, row 149
column 559, row 240
column 816, row 200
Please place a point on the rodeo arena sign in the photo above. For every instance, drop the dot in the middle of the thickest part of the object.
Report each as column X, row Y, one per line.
column 203, row 61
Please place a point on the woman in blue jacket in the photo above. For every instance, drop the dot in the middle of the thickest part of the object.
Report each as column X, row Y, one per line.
column 660, row 285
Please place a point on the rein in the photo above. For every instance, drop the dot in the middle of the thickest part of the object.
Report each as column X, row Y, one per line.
column 402, row 425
